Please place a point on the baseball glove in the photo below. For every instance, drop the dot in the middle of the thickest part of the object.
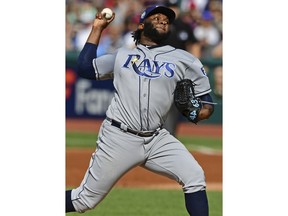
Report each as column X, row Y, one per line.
column 185, row 100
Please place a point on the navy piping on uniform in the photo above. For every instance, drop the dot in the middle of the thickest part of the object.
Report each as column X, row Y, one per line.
column 204, row 92
column 86, row 181
column 139, row 96
column 164, row 53
column 150, row 80
column 141, row 123
column 155, row 59
column 148, row 106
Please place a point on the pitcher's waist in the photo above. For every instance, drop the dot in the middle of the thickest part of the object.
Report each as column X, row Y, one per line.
column 125, row 128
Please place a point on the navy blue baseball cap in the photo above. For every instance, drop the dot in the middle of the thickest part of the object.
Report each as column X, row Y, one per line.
column 157, row 9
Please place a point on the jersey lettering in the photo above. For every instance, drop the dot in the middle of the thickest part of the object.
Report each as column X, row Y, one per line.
column 203, row 71
column 150, row 68
column 170, row 69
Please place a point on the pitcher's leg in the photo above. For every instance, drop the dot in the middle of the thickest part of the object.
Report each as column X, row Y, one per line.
column 170, row 158
column 114, row 156
column 196, row 203
column 96, row 183
column 69, row 204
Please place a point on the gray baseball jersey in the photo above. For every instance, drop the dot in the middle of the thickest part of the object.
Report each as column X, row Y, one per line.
column 144, row 80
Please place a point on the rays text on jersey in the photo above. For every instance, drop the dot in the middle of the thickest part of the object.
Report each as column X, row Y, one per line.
column 150, row 68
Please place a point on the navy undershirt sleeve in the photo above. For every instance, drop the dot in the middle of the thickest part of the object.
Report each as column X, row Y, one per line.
column 208, row 98
column 85, row 67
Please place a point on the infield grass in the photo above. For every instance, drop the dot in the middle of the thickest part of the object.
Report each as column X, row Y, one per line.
column 85, row 139
column 148, row 202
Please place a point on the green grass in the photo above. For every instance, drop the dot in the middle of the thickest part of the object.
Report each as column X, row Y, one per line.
column 81, row 139
column 194, row 143
column 77, row 139
column 144, row 202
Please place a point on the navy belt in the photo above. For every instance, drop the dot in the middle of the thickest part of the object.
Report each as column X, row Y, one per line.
column 138, row 133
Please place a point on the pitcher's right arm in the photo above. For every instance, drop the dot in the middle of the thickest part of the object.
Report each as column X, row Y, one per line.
column 86, row 65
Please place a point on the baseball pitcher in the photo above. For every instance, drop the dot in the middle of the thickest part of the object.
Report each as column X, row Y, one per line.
column 148, row 80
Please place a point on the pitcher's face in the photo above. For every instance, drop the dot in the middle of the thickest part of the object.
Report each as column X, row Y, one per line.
column 156, row 27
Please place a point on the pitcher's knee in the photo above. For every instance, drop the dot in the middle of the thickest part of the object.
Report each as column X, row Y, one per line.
column 85, row 199
column 195, row 182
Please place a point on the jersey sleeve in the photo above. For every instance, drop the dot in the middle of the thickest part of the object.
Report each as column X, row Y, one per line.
column 104, row 66
column 197, row 74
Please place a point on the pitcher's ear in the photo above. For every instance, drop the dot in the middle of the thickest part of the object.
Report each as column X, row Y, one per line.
column 141, row 26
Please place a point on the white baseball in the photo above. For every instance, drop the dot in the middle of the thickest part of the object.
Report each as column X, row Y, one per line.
column 108, row 13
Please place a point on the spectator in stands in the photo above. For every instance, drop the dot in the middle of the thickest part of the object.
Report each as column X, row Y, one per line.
column 217, row 72
column 215, row 6
column 111, row 40
column 208, row 34
column 87, row 13
column 71, row 24
column 131, row 23
column 181, row 34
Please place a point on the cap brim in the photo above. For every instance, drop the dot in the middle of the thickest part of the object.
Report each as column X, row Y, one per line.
column 164, row 10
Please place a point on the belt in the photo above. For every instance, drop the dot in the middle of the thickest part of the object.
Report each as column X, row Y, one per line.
column 138, row 133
